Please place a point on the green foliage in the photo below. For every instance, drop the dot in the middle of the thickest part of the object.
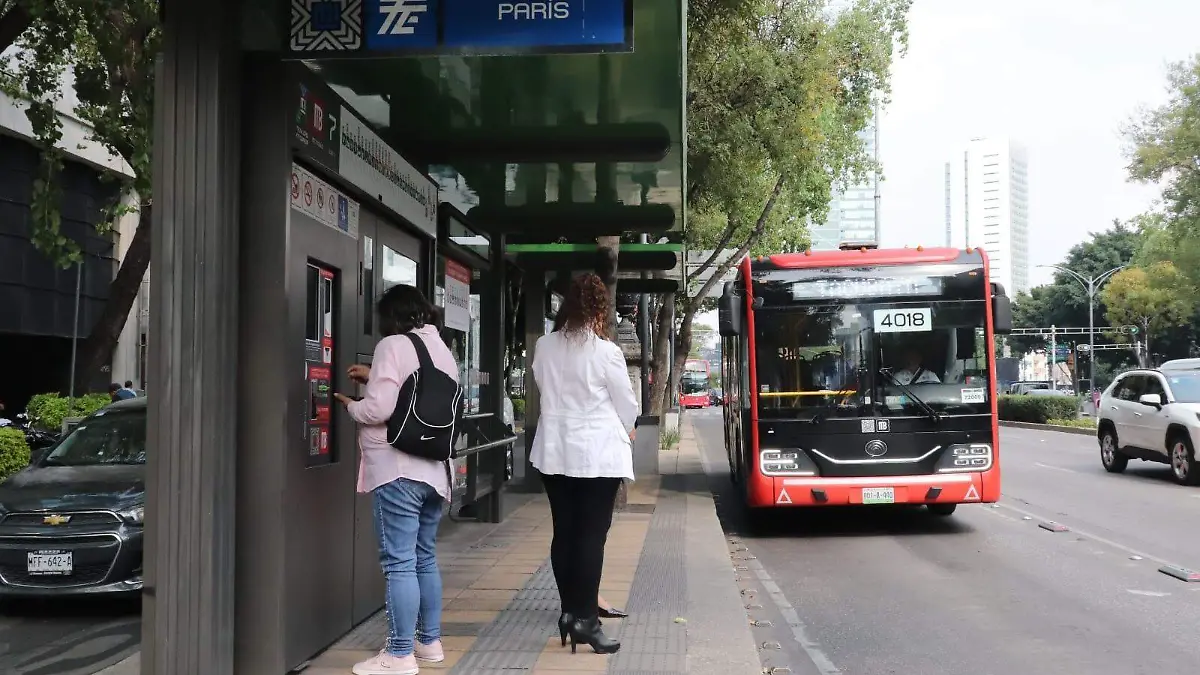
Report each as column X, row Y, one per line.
column 518, row 408
column 777, row 93
column 1037, row 409
column 14, row 451
column 1081, row 423
column 1164, row 143
column 1154, row 298
column 668, row 439
column 47, row 411
column 109, row 49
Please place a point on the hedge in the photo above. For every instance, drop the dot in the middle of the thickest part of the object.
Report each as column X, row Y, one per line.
column 14, row 451
column 1037, row 409
column 49, row 410
column 518, row 408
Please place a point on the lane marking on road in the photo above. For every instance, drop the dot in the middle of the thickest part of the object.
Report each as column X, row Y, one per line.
column 799, row 630
column 1094, row 537
column 1056, row 468
column 1149, row 594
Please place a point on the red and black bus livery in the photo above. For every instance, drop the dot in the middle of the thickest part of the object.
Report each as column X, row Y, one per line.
column 863, row 376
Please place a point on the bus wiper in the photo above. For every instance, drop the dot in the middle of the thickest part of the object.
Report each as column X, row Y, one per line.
column 925, row 407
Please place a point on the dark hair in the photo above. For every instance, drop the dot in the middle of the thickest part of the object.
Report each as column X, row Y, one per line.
column 403, row 308
column 129, row 384
column 113, row 387
column 585, row 307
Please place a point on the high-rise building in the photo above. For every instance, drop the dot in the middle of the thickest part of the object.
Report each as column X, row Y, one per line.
column 854, row 211
column 987, row 206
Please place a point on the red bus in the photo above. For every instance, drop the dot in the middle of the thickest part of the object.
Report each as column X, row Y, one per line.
column 863, row 376
column 693, row 385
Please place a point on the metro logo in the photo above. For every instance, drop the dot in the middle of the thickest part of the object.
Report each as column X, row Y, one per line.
column 561, row 9
column 400, row 16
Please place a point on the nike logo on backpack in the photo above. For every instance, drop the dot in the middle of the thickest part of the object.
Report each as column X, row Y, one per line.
column 427, row 438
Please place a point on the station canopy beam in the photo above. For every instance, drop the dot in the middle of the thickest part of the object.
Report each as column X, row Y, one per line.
column 623, row 142
column 549, row 221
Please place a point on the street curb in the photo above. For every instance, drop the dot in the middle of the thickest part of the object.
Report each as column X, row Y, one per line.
column 1048, row 427
column 719, row 637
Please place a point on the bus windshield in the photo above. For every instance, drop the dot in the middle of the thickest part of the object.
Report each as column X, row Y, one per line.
column 886, row 356
column 693, row 383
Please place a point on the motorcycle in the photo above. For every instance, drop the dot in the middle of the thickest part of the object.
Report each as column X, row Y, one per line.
column 37, row 438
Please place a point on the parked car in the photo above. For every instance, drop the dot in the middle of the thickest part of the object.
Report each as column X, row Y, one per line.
column 71, row 522
column 1152, row 415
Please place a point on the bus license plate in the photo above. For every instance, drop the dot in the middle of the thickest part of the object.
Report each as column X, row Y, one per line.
column 879, row 495
column 50, row 563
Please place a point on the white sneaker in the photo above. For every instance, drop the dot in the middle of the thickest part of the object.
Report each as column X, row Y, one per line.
column 430, row 653
column 384, row 663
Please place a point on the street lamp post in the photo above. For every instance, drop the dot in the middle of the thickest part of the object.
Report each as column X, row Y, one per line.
column 1092, row 286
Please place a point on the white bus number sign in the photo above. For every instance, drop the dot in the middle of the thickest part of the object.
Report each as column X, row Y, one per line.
column 911, row 320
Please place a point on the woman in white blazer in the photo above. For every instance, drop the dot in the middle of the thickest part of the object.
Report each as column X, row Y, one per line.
column 582, row 448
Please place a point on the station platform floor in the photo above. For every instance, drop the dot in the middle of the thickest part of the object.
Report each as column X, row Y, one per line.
column 667, row 563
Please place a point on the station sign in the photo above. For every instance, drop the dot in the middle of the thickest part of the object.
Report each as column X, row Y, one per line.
column 321, row 29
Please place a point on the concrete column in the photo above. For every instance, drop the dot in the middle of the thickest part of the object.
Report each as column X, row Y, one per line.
column 533, row 291
column 188, row 603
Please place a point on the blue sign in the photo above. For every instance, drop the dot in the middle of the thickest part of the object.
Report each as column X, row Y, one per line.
column 401, row 25
column 375, row 28
column 486, row 24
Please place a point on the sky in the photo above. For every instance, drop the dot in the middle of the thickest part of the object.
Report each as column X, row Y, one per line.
column 1059, row 76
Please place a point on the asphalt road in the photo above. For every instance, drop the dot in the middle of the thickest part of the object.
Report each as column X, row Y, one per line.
column 986, row 591
column 67, row 638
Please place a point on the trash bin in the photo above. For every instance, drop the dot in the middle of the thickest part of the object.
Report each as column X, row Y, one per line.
column 645, row 446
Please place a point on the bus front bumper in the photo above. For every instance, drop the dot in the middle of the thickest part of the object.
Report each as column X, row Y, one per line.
column 954, row 488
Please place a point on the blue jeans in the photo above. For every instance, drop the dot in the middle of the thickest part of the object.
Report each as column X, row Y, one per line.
column 407, row 514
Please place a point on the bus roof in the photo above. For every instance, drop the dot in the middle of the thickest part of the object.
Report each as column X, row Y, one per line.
column 866, row 256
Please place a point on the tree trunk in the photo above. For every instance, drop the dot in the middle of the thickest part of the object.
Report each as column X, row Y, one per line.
column 96, row 350
column 13, row 23
column 661, row 367
column 608, row 249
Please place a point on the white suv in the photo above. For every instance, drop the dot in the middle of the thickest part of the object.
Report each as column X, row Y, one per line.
column 1152, row 415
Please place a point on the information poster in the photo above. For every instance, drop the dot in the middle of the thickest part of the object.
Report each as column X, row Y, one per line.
column 458, row 296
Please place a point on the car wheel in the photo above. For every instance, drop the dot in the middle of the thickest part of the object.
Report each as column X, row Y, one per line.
column 1111, row 457
column 1183, row 461
column 942, row 510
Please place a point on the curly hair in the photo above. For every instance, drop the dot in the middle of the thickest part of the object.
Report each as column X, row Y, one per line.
column 585, row 308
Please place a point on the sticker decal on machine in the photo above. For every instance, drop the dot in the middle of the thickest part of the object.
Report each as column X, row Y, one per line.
column 972, row 494
column 974, row 395
column 783, row 497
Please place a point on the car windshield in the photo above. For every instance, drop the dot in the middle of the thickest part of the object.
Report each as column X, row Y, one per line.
column 852, row 359
column 1185, row 387
column 108, row 437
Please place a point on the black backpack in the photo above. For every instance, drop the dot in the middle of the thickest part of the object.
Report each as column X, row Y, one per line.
column 427, row 410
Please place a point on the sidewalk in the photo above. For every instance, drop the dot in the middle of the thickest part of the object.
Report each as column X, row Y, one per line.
column 667, row 563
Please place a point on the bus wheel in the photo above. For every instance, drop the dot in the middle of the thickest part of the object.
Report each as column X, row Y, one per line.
column 940, row 509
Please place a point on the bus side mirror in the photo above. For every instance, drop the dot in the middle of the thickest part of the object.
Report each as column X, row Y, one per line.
column 1002, row 318
column 729, row 315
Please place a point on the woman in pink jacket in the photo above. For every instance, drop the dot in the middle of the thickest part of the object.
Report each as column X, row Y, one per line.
column 409, row 492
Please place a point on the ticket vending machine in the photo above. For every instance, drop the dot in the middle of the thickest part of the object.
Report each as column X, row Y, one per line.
column 318, row 362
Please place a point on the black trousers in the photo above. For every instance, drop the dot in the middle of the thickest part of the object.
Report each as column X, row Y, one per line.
column 582, row 511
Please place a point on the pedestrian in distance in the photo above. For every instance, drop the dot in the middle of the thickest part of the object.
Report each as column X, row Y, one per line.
column 408, row 491
column 582, row 449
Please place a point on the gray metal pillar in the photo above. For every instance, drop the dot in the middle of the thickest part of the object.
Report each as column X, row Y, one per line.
column 533, row 292
column 492, row 349
column 188, row 603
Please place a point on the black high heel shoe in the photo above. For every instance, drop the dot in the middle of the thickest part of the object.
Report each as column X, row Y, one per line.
column 564, row 626
column 588, row 632
column 613, row 613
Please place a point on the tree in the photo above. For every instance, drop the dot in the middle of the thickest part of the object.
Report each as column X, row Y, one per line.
column 777, row 93
column 1153, row 298
column 108, row 48
column 1164, row 146
column 15, row 19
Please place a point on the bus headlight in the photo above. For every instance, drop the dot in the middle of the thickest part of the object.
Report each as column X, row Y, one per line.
column 785, row 462
column 969, row 457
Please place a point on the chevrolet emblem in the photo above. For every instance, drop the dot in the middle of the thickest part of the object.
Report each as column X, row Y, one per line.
column 55, row 519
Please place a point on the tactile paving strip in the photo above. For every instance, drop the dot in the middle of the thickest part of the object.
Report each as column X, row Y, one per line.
column 652, row 641
column 513, row 642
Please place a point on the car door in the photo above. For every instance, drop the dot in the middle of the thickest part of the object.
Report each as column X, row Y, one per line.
column 1120, row 409
column 1152, row 422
